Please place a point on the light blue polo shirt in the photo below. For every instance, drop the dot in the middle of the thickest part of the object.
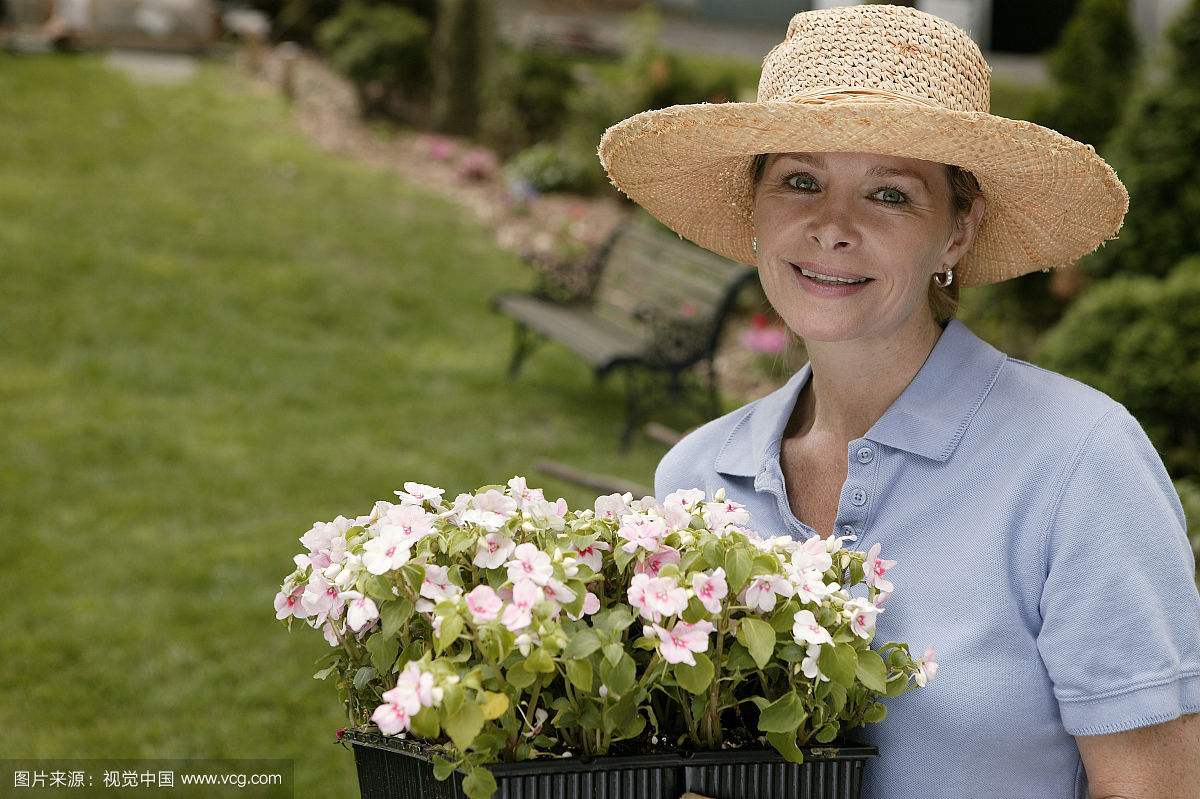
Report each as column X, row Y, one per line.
column 1040, row 548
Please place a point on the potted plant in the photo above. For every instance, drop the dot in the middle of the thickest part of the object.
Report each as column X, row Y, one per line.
column 502, row 641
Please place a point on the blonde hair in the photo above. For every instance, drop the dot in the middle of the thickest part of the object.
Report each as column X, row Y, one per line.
column 964, row 188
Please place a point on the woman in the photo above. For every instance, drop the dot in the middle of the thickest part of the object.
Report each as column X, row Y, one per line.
column 1040, row 546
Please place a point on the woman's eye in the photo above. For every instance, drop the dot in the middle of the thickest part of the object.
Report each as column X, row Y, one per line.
column 892, row 195
column 803, row 177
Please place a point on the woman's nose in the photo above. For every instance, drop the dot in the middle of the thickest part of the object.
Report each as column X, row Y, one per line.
column 831, row 226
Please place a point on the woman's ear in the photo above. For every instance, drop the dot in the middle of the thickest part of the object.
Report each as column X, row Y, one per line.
column 963, row 235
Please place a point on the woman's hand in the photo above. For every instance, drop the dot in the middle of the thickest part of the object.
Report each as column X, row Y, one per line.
column 1161, row 761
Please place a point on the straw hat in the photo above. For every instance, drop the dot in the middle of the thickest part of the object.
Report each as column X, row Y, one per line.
column 881, row 79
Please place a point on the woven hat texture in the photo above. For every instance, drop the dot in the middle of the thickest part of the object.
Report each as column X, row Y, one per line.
column 880, row 79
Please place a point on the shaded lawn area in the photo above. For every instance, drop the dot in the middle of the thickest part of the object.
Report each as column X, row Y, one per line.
column 215, row 335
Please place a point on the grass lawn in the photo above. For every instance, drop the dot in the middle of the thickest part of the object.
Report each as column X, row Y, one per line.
column 213, row 336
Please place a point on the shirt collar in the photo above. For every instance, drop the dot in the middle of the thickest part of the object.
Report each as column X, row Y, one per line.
column 928, row 418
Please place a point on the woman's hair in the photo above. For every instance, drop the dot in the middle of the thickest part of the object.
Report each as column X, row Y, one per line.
column 964, row 188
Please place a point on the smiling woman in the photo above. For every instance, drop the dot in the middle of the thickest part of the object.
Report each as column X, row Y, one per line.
column 867, row 184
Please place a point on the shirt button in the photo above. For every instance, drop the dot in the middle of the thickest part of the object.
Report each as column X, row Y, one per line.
column 865, row 455
column 858, row 496
column 847, row 529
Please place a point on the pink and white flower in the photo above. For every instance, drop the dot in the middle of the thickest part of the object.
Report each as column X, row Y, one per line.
column 550, row 514
column 484, row 604
column 437, row 585
column 761, row 591
column 559, row 592
column 417, row 493
column 677, row 644
column 710, row 589
column 494, row 549
column 530, row 563
column 926, row 667
column 875, row 568
column 591, row 604
column 321, row 599
column 811, row 556
column 862, row 615
column 361, row 611
column 719, row 514
column 809, row 664
column 812, row 589
column 290, row 604
column 387, row 552
column 519, row 614
column 645, row 532
column 591, row 556
column 653, row 564
column 613, row 506
column 408, row 523
column 655, row 597
column 806, row 629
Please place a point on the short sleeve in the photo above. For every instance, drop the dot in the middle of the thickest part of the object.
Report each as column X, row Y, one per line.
column 1120, row 634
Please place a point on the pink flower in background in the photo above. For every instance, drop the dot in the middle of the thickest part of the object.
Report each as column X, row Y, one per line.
column 477, row 164
column 927, row 668
column 763, row 337
column 678, row 643
column 493, row 551
column 653, row 564
column 290, row 604
column 440, row 148
column 874, row 568
column 711, row 589
column 484, row 604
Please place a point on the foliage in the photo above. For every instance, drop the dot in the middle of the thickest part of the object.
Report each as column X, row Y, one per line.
column 530, row 103
column 1092, row 66
column 502, row 627
column 378, row 44
column 1138, row 340
column 298, row 20
column 1156, row 150
column 1189, row 496
column 554, row 167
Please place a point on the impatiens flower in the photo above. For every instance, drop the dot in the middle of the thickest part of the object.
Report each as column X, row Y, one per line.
column 388, row 551
column 811, row 556
column 522, row 492
column 408, row 523
column 655, row 597
column 761, row 591
column 454, row 514
column 417, row 493
column 361, row 611
column 530, row 563
column 321, row 599
column 322, row 534
column 810, row 588
column 519, row 614
column 559, row 592
column 330, row 633
column 525, row 642
column 807, row 630
column 641, row 531
column 484, row 604
column 591, row 604
column 875, row 569
column 677, row 644
column 834, row 542
column 550, row 514
column 391, row 718
column 862, row 616
column 678, row 505
column 653, row 564
column 437, row 585
column 539, row 719
column 710, row 589
column 496, row 502
column 719, row 514
column 613, row 506
column 290, row 604
column 590, row 555
column 809, row 664
column 493, row 551
column 926, row 667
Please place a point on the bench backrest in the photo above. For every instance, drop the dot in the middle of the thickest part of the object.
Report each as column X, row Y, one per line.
column 659, row 284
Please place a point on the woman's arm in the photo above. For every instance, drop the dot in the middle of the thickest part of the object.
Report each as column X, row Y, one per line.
column 1161, row 761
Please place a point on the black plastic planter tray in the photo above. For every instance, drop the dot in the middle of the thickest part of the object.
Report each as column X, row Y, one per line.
column 392, row 768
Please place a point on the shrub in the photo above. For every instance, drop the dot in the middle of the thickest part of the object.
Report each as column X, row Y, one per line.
column 1156, row 151
column 1189, row 495
column 554, row 167
column 380, row 48
column 464, row 49
column 1092, row 66
column 1138, row 340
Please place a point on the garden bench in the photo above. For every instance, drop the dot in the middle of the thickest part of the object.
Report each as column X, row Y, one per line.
column 653, row 304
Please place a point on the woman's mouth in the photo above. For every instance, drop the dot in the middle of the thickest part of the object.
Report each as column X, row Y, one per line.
column 828, row 285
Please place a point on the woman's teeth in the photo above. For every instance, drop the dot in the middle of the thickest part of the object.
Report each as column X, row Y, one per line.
column 829, row 278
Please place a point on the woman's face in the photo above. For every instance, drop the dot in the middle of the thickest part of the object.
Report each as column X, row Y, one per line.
column 855, row 215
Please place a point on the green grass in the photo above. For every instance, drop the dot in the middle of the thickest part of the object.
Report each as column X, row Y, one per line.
column 213, row 336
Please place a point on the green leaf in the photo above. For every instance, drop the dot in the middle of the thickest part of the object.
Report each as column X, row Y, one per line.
column 539, row 661
column 621, row 677
column 870, row 670
column 784, row 617
column 758, row 637
column 383, row 652
column 783, row 715
column 426, row 724
column 898, row 685
column 695, row 611
column 579, row 672
column 479, row 784
column 737, row 569
column 582, row 644
column 463, row 726
column 614, row 619
column 827, row 733
column 875, row 713
column 613, row 653
column 442, row 768
column 451, row 628
column 622, row 558
column 520, row 677
column 492, row 704
column 323, row 673
column 785, row 744
column 363, row 676
column 695, row 679
column 838, row 663
column 737, row 658
column 394, row 615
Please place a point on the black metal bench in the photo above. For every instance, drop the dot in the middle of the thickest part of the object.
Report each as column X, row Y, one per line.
column 655, row 304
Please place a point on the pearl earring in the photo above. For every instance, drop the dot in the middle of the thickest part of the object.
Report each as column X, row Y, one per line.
column 949, row 278
column 754, row 244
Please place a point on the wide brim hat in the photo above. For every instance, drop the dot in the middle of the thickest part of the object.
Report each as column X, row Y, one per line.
column 888, row 80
